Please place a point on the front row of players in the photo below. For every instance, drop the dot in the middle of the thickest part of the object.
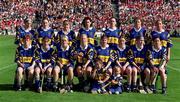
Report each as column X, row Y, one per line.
column 99, row 70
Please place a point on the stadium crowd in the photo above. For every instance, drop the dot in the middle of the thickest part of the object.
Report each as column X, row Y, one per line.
column 14, row 11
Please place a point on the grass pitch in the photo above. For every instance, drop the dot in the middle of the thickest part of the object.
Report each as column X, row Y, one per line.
column 7, row 94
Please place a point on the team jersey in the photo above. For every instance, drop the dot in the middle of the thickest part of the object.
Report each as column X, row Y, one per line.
column 22, row 32
column 157, row 55
column 90, row 34
column 164, row 37
column 64, row 55
column 41, row 33
column 25, row 55
column 105, row 54
column 71, row 37
column 122, row 54
column 113, row 36
column 100, row 75
column 118, row 78
column 135, row 33
column 45, row 57
column 84, row 54
column 138, row 56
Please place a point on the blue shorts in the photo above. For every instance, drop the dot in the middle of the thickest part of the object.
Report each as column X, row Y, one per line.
column 115, row 88
column 96, row 86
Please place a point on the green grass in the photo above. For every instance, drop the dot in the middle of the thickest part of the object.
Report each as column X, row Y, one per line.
column 7, row 68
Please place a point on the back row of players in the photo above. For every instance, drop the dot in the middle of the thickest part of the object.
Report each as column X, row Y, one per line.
column 101, row 67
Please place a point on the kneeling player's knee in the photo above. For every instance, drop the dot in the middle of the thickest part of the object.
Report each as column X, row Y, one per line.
column 19, row 70
column 147, row 71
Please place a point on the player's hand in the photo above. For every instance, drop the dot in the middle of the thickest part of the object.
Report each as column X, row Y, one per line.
column 21, row 65
column 43, row 70
column 139, row 69
column 100, row 82
column 155, row 69
column 104, row 69
column 113, row 82
column 84, row 68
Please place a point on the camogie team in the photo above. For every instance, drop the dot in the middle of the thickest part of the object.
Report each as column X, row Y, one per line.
column 116, row 63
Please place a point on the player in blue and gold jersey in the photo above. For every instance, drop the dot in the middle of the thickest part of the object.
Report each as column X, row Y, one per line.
column 138, row 60
column 25, row 30
column 84, row 55
column 45, row 62
column 104, row 53
column 164, row 37
column 68, row 32
column 89, row 30
column 136, row 31
column 100, row 78
column 64, row 62
column 122, row 60
column 157, row 57
column 113, row 33
column 45, row 31
column 25, row 60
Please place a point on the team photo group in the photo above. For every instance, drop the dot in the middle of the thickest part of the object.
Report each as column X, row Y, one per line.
column 112, row 63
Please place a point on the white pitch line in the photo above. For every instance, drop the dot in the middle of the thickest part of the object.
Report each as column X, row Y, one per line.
column 173, row 68
column 7, row 67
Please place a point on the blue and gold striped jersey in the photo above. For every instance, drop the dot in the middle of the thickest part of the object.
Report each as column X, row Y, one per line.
column 41, row 33
column 113, row 36
column 90, row 34
column 22, row 32
column 156, row 56
column 45, row 57
column 122, row 54
column 138, row 56
column 164, row 37
column 64, row 55
column 135, row 33
column 25, row 56
column 105, row 54
column 84, row 54
column 71, row 37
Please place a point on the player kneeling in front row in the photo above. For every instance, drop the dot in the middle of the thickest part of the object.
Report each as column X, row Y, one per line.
column 100, row 78
column 138, row 60
column 64, row 64
column 157, row 57
column 115, row 84
column 25, row 63
column 45, row 62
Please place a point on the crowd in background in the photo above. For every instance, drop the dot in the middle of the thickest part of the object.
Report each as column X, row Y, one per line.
column 12, row 12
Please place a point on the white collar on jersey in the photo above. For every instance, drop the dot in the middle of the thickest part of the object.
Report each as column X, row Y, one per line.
column 157, row 50
column 111, row 29
column 105, row 47
column 67, row 48
column 84, row 47
column 66, row 32
column 27, row 48
column 88, row 29
column 46, row 29
column 44, row 49
column 139, row 49
column 160, row 31
column 122, row 49
column 137, row 30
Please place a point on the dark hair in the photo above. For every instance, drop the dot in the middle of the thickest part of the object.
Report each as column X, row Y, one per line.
column 155, row 37
column 104, row 37
column 65, row 21
column 139, row 37
column 98, row 60
column 85, row 19
column 136, row 19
